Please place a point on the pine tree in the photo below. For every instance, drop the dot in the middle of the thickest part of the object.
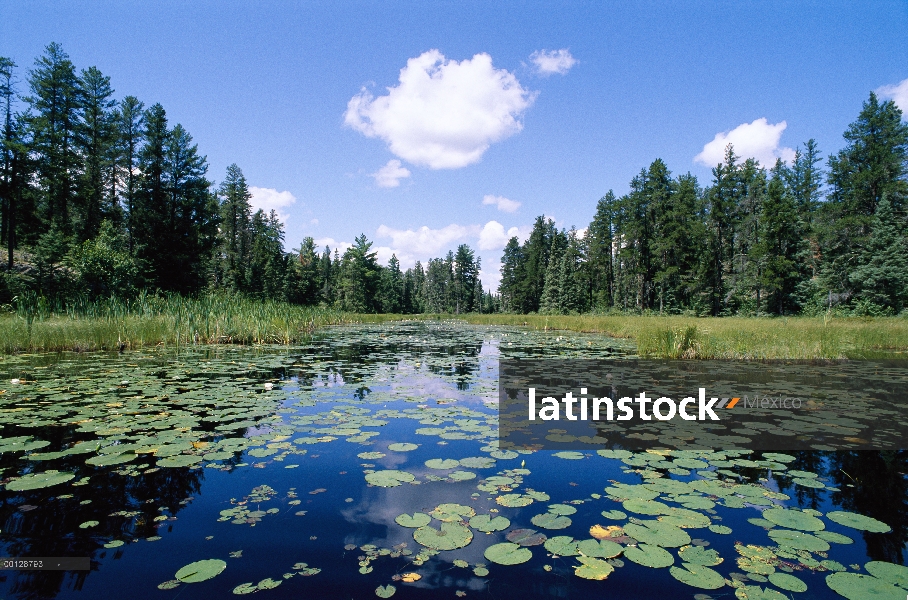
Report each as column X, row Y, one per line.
column 236, row 222
column 509, row 288
column 130, row 124
column 601, row 236
column 392, row 284
column 359, row 278
column 882, row 274
column 96, row 140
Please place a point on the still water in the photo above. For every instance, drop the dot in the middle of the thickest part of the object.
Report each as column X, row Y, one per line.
column 366, row 464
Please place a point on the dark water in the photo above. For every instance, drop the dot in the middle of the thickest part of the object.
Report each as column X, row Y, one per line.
column 269, row 455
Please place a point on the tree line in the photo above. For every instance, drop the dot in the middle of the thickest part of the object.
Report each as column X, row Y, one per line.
column 796, row 238
column 100, row 198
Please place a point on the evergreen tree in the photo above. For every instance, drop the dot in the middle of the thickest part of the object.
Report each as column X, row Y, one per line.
column 236, row 222
column 716, row 264
column 130, row 124
column 466, row 274
column 882, row 274
column 512, row 274
column 392, row 287
column 550, row 302
column 304, row 276
column 601, row 257
column 359, row 278
column 97, row 141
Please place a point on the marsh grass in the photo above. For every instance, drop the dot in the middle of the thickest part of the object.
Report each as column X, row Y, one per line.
column 225, row 319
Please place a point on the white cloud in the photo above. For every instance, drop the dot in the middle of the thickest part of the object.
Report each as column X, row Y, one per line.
column 341, row 247
column 759, row 140
column 898, row 93
column 314, row 221
column 492, row 236
column 503, row 204
column 269, row 199
column 389, row 176
column 425, row 241
column 443, row 114
column 553, row 61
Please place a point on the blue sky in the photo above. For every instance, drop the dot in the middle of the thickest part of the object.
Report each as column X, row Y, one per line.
column 494, row 112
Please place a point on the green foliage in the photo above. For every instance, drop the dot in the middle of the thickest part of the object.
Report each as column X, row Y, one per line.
column 103, row 265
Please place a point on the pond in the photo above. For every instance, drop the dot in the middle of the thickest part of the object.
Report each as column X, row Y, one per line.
column 366, row 464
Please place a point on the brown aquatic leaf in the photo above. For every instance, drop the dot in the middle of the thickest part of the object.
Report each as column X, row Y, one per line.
column 410, row 577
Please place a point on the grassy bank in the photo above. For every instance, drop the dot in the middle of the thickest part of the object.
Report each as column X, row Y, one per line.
column 152, row 320
column 735, row 337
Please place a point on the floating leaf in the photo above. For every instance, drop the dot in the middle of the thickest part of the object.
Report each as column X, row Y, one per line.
column 268, row 583
column 245, row 588
column 593, row 568
column 385, row 591
column 658, row 533
column 649, row 556
column 389, row 478
column 180, row 460
column 834, row 538
column 551, row 521
column 514, row 500
column 569, row 455
column 488, row 523
column 793, row 519
column 410, row 577
column 449, row 537
column 755, row 592
column 788, row 582
column 856, row 586
column 480, row 571
column 201, row 570
column 114, row 544
column 416, row 520
column 106, row 460
column 402, row 447
column 645, row 507
column 614, row 515
column 507, row 553
column 169, row 585
column 858, row 521
column 698, row 576
column 720, row 529
column 371, row 455
column 526, row 537
column 698, row 555
column 562, row 509
column 599, row 548
column 35, row 481
column 798, row 540
column 88, row 524
column 894, row 574
column 561, row 545
column 442, row 464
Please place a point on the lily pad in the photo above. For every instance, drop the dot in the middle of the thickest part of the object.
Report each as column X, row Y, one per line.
column 35, row 481
column 507, row 553
column 415, row 520
column 600, row 548
column 698, row 576
column 385, row 591
column 649, row 556
column 450, row 536
column 562, row 509
column 551, row 521
column 389, row 478
column 569, row 455
column 442, row 464
column 180, row 460
column 514, row 500
column 614, row 515
column 201, row 570
column 526, row 537
column 720, row 529
column 699, row 555
column 793, row 519
column 488, row 523
column 593, row 568
column 833, row 537
column 788, row 582
column 371, row 455
column 894, row 574
column 658, row 533
column 561, row 545
column 857, row 521
column 645, row 507
column 798, row 540
column 856, row 586
column 402, row 447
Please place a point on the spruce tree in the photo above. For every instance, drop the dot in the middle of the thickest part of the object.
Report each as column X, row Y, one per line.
column 882, row 273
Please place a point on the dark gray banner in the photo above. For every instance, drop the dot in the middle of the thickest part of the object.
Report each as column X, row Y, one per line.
column 641, row 404
column 44, row 563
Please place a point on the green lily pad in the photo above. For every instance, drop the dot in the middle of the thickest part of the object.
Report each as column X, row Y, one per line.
column 477, row 462
column 658, row 533
column 461, row 475
column 720, row 529
column 507, row 553
column 371, row 455
column 389, row 478
column 787, row 582
column 857, row 521
column 180, row 460
column 561, row 545
column 699, row 555
column 106, row 460
column 649, row 556
column 488, row 523
column 416, row 520
column 114, row 544
column 614, row 515
column 809, row 483
column 569, row 455
column 268, row 583
column 514, row 500
column 452, row 512
column 450, row 536
column 88, row 524
column 551, row 521
column 201, row 570
column 35, row 481
column 442, row 464
column 755, row 592
column 402, row 447
column 793, row 519
column 562, row 509
column 798, row 540
column 645, row 507
column 593, row 568
column 698, row 576
column 525, row 537
column 600, row 548
column 833, row 537
column 245, row 588
column 385, row 591
column 894, row 574
column 856, row 586
column 754, row 565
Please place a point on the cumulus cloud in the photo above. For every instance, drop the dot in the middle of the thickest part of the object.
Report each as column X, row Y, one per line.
column 269, row 199
column 503, row 204
column 493, row 235
column 898, row 93
column 389, row 176
column 443, row 114
column 425, row 241
column 553, row 61
column 759, row 140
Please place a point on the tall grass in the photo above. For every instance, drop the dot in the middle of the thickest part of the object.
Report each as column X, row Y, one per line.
column 39, row 325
